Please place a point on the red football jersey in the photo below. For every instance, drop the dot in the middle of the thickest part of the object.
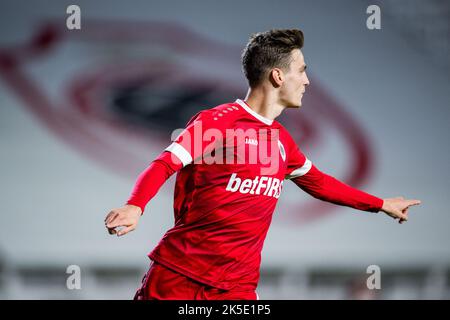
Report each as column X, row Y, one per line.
column 234, row 164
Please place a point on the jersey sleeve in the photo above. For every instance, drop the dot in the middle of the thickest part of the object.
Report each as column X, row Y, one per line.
column 325, row 187
column 297, row 163
column 201, row 135
column 152, row 178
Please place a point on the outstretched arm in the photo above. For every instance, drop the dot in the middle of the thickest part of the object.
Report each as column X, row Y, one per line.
column 328, row 188
column 147, row 185
column 177, row 155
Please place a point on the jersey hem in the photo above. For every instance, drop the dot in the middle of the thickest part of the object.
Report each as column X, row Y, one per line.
column 187, row 273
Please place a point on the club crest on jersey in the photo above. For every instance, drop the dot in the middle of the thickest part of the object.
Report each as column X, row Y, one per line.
column 282, row 151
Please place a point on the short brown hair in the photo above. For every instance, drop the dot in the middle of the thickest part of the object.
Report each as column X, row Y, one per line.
column 267, row 50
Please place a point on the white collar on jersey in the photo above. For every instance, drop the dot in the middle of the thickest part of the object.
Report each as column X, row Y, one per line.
column 253, row 113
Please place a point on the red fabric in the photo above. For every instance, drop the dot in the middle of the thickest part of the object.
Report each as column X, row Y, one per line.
column 161, row 283
column 219, row 234
column 328, row 188
column 222, row 210
column 152, row 178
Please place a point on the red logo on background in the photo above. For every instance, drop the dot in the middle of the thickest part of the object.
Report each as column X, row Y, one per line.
column 119, row 88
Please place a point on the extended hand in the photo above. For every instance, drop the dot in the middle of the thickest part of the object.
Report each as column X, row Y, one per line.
column 126, row 216
column 397, row 208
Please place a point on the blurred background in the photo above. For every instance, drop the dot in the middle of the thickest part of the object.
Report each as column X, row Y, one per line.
column 83, row 112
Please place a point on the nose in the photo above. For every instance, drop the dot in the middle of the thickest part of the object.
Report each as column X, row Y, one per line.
column 306, row 80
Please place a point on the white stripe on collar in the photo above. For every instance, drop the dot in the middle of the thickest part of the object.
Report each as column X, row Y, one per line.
column 253, row 113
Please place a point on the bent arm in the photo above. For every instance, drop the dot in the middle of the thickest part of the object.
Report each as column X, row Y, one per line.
column 151, row 179
column 328, row 188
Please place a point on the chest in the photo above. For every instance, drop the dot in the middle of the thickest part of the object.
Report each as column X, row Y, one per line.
column 254, row 151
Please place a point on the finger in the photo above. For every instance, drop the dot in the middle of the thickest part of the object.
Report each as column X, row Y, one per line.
column 392, row 215
column 117, row 223
column 120, row 222
column 125, row 230
column 401, row 216
column 111, row 217
column 402, row 220
column 109, row 214
column 112, row 230
column 414, row 202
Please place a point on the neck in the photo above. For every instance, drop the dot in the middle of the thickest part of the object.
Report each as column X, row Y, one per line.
column 264, row 103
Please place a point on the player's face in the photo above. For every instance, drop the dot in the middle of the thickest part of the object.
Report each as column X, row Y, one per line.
column 295, row 81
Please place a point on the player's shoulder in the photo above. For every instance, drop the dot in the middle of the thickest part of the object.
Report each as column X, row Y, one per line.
column 225, row 112
column 218, row 116
column 277, row 125
column 285, row 135
column 281, row 128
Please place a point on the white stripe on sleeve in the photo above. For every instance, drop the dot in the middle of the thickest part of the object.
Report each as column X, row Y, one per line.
column 180, row 152
column 300, row 171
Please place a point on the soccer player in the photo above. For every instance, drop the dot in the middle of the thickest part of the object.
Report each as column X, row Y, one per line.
column 231, row 163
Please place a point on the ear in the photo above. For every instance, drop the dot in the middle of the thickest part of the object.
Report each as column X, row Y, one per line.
column 276, row 77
